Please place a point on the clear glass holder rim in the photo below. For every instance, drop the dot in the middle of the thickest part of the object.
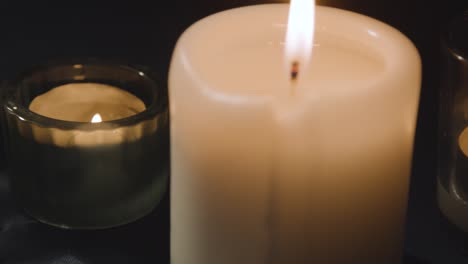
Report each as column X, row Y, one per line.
column 157, row 107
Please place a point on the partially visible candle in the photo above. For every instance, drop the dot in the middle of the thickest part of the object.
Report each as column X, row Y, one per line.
column 463, row 141
column 452, row 165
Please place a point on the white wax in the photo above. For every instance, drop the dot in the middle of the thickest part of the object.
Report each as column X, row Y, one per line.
column 79, row 102
column 263, row 175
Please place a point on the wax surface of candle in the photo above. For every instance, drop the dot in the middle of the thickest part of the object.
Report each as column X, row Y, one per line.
column 463, row 141
column 81, row 101
column 266, row 177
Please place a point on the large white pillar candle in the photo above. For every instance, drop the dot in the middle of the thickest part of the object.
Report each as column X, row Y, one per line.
column 261, row 174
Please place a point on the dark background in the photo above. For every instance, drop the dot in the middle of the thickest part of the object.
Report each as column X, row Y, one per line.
column 145, row 32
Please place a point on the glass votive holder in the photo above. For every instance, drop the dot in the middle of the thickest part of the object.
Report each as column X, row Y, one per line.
column 453, row 125
column 68, row 169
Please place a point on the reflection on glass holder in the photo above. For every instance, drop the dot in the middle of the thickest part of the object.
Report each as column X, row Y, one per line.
column 453, row 125
column 102, row 180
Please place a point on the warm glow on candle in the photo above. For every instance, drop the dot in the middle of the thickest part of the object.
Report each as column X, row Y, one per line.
column 299, row 35
column 96, row 118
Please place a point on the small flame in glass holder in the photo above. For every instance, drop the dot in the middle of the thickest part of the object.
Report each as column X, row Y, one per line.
column 96, row 118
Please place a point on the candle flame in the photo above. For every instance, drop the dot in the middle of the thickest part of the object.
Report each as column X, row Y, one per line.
column 96, row 118
column 299, row 35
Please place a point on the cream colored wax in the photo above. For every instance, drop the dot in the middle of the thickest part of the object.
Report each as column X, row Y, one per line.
column 463, row 141
column 263, row 175
column 80, row 102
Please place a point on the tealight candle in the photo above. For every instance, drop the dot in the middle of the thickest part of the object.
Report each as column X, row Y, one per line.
column 275, row 159
column 87, row 144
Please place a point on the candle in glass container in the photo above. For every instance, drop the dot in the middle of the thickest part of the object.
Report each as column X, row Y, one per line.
column 268, row 167
column 87, row 155
column 451, row 198
column 452, row 165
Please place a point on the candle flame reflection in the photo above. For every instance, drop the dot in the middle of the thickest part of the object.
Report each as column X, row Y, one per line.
column 299, row 35
column 96, row 118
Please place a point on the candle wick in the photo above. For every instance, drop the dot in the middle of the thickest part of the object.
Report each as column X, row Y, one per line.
column 294, row 70
column 294, row 75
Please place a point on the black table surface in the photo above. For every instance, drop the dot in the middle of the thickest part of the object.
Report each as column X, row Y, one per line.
column 145, row 32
